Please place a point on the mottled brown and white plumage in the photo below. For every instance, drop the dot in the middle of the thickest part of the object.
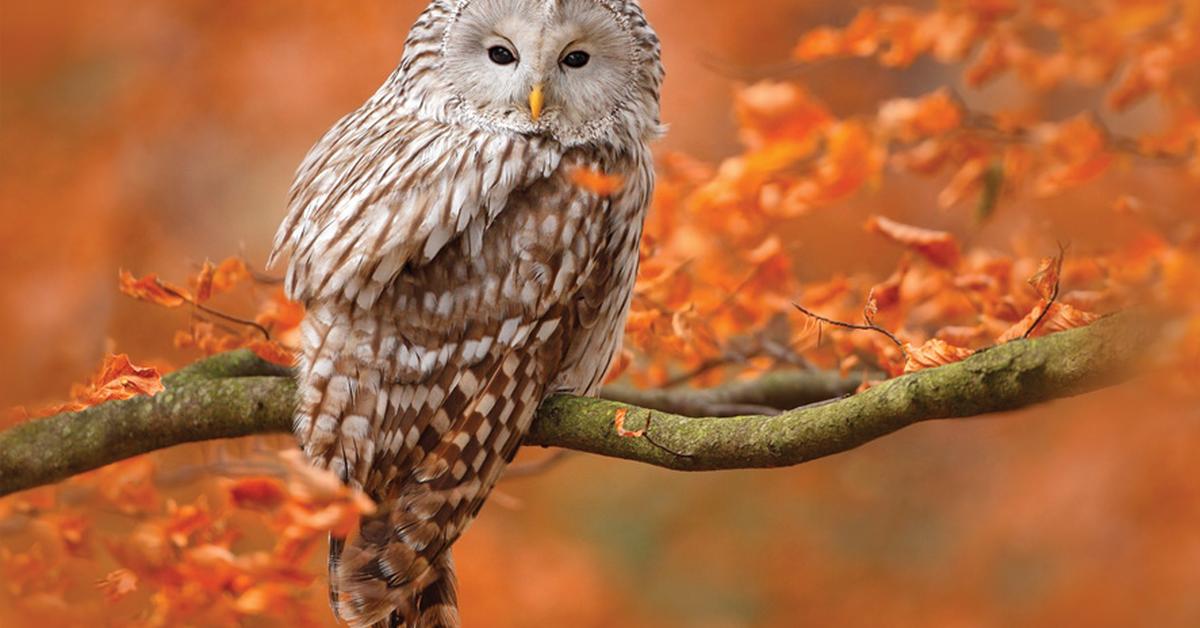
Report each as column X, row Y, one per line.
column 455, row 274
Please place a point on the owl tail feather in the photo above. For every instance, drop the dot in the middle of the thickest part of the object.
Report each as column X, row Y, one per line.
column 437, row 605
column 336, row 545
column 380, row 581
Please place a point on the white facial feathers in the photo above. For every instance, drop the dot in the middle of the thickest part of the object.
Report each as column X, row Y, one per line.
column 594, row 64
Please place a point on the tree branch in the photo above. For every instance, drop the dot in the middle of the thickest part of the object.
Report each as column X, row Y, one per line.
column 236, row 394
column 766, row 395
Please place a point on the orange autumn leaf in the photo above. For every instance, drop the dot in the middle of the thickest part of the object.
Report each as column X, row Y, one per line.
column 995, row 58
column 852, row 158
column 1063, row 317
column 911, row 118
column 264, row 599
column 966, row 180
column 619, row 424
column 937, row 113
column 927, row 157
column 204, row 337
column 597, row 182
column 905, row 38
column 689, row 326
column 1090, row 300
column 119, row 378
column 257, row 493
column 895, row 36
column 220, row 278
column 1074, row 174
column 778, row 112
column 185, row 521
column 641, row 320
column 318, row 488
column 229, row 273
column 1060, row 317
column 871, row 309
column 866, row 385
column 273, row 352
column 939, row 247
column 338, row 517
column 204, row 282
column 150, row 289
column 1149, row 71
column 1045, row 281
column 117, row 584
column 932, row 354
column 280, row 314
column 819, row 43
column 864, row 35
column 128, row 486
column 1024, row 326
column 861, row 38
column 1079, row 151
column 963, row 335
column 886, row 294
column 976, row 282
column 848, row 364
column 73, row 533
column 822, row 294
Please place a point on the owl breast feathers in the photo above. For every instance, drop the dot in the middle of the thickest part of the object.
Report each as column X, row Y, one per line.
column 455, row 275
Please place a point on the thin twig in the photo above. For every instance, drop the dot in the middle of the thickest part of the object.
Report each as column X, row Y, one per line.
column 211, row 312
column 844, row 325
column 646, row 435
column 1058, row 264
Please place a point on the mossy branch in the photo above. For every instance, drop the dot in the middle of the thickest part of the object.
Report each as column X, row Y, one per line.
column 236, row 394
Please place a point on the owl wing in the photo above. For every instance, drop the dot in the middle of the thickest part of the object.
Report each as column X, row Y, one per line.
column 377, row 194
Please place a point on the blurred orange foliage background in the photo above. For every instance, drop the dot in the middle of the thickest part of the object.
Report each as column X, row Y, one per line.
column 971, row 136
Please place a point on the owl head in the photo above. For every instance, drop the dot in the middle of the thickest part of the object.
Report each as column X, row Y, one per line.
column 575, row 71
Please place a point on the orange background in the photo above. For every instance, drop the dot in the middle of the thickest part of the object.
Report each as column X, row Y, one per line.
column 153, row 135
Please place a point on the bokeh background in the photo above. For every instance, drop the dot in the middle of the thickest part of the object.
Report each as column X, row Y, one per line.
column 151, row 136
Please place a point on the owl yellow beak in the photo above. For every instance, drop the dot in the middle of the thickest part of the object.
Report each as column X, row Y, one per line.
column 536, row 100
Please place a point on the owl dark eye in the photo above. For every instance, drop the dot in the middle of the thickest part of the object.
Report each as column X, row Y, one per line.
column 576, row 59
column 501, row 55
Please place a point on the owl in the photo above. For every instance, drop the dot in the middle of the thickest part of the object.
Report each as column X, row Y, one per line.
column 456, row 272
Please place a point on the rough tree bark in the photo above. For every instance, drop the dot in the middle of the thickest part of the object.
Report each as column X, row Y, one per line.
column 237, row 394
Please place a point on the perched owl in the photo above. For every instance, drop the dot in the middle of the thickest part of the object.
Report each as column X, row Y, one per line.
column 456, row 274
